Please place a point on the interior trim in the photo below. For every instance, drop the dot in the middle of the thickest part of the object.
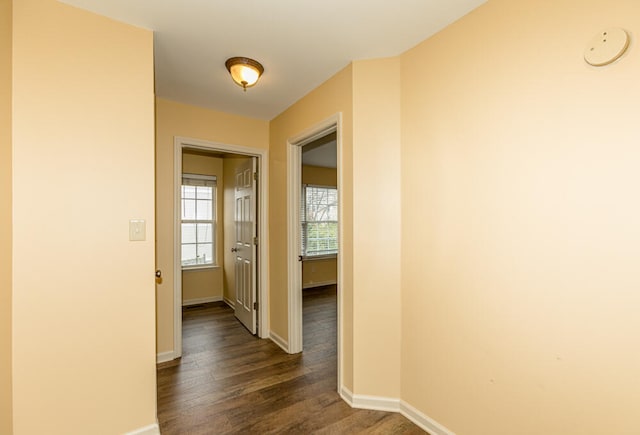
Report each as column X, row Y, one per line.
column 389, row 404
column 294, row 272
column 262, row 155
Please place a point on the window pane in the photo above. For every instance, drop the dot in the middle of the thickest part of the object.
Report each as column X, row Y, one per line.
column 189, row 192
column 188, row 255
column 205, row 233
column 332, row 213
column 188, row 233
column 321, row 204
column 188, row 209
column 310, row 211
column 204, row 192
column 313, row 247
column 321, row 238
column 322, row 245
column 323, row 231
column 205, row 253
column 197, row 209
column 203, row 209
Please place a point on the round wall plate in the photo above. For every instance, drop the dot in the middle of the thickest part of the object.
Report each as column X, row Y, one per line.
column 606, row 47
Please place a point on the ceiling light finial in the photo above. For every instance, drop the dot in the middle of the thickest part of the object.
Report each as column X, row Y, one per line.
column 244, row 71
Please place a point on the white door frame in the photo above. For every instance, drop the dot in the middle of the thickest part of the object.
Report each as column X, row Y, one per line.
column 181, row 143
column 294, row 186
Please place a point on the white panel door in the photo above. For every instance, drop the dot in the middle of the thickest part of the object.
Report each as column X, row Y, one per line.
column 245, row 244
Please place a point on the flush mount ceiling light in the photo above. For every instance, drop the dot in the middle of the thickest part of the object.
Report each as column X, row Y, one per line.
column 244, row 71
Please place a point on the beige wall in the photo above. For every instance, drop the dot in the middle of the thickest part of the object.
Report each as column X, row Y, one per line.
column 199, row 284
column 231, row 163
column 319, row 176
column 176, row 119
column 332, row 97
column 319, row 271
column 510, row 167
column 367, row 93
column 5, row 216
column 83, row 318
column 520, row 223
column 376, row 227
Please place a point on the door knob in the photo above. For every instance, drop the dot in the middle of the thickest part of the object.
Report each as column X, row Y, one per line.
column 234, row 249
column 158, row 273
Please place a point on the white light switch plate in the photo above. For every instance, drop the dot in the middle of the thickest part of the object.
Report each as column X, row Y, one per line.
column 137, row 230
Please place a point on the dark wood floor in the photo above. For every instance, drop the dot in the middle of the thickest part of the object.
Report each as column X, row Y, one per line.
column 229, row 381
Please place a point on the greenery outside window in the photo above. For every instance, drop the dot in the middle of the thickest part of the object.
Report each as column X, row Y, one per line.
column 319, row 219
column 198, row 224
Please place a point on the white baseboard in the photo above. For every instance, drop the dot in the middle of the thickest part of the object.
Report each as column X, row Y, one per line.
column 164, row 357
column 422, row 420
column 229, row 302
column 152, row 429
column 376, row 403
column 388, row 404
column 284, row 344
column 197, row 301
column 319, row 284
column 346, row 395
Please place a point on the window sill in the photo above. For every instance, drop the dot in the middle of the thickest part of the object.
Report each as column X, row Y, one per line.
column 200, row 267
column 320, row 257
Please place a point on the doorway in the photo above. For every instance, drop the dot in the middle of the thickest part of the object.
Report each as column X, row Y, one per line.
column 330, row 127
column 259, row 240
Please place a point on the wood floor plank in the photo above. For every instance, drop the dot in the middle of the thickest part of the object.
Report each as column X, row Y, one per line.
column 229, row 381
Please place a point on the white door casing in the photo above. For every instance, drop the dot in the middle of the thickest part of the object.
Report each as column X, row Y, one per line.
column 294, row 187
column 261, row 155
column 244, row 248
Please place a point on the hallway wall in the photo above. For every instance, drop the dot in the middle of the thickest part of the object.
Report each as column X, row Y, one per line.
column 333, row 96
column 520, row 222
column 376, row 227
column 83, row 294
column 6, row 208
column 177, row 119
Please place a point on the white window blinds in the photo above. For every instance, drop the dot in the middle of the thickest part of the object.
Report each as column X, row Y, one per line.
column 319, row 220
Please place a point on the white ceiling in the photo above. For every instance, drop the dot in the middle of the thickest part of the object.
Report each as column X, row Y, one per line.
column 301, row 43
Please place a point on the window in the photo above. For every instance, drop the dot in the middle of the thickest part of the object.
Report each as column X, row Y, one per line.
column 319, row 218
column 198, row 219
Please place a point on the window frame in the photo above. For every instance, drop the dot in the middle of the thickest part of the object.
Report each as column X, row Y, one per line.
column 212, row 179
column 304, row 221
